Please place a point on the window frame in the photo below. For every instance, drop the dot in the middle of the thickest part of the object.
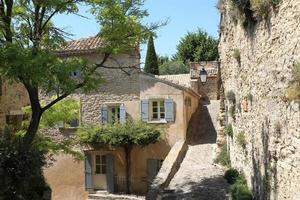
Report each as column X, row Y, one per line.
column 114, row 117
column 161, row 110
column 102, row 165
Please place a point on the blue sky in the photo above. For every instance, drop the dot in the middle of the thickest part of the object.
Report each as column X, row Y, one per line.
column 183, row 15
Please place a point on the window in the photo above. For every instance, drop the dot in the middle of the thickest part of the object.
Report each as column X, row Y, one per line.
column 114, row 114
column 100, row 164
column 75, row 74
column 157, row 108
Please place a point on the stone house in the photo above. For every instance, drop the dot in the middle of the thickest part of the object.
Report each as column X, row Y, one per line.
column 127, row 93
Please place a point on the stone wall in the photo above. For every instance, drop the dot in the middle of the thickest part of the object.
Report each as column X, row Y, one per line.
column 270, row 124
column 13, row 97
column 118, row 86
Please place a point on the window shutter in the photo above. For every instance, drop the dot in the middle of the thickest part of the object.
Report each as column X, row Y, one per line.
column 88, row 172
column 144, row 110
column 104, row 114
column 169, row 106
column 110, row 173
column 122, row 114
column 152, row 166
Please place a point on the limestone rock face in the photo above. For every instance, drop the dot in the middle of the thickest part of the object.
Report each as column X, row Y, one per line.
column 271, row 125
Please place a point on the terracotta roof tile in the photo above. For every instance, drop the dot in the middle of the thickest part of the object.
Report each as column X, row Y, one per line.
column 81, row 46
column 180, row 79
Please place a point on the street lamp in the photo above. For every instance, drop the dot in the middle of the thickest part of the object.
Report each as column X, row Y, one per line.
column 203, row 76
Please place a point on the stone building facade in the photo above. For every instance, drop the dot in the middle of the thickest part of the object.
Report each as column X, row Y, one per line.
column 13, row 97
column 125, row 90
column 256, row 65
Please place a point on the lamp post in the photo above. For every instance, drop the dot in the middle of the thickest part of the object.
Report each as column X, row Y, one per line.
column 203, row 76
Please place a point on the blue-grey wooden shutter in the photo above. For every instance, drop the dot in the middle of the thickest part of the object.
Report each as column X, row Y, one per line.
column 169, row 106
column 88, row 172
column 110, row 173
column 104, row 114
column 145, row 110
column 122, row 114
column 152, row 166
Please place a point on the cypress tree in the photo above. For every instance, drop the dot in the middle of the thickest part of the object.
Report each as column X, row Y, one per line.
column 151, row 64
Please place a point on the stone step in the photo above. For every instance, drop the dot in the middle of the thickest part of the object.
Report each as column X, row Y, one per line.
column 106, row 196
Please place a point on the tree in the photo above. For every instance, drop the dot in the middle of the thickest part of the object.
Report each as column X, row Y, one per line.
column 173, row 67
column 197, row 46
column 121, row 135
column 162, row 59
column 151, row 64
column 29, row 39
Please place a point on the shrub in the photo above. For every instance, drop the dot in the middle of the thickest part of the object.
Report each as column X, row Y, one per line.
column 228, row 130
column 21, row 169
column 231, row 175
column 293, row 91
column 237, row 55
column 261, row 8
column 241, row 140
column 223, row 157
column 240, row 191
column 230, row 95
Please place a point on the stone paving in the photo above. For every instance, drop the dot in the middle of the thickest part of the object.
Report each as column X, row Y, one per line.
column 198, row 178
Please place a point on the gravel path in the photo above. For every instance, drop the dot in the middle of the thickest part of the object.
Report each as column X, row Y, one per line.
column 198, row 178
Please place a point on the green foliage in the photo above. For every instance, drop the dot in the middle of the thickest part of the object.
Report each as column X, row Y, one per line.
column 231, row 175
column 151, row 64
column 162, row 60
column 237, row 55
column 120, row 135
column 63, row 111
column 229, row 130
column 241, row 140
column 230, row 95
column 242, row 11
column 197, row 46
column 239, row 190
column 173, row 67
column 223, row 157
column 21, row 174
column 293, row 91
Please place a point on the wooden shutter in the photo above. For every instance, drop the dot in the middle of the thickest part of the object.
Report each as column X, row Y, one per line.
column 88, row 172
column 152, row 166
column 122, row 114
column 110, row 173
column 145, row 110
column 169, row 106
column 104, row 114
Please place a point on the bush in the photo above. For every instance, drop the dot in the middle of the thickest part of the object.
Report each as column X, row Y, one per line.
column 21, row 174
column 240, row 191
column 241, row 140
column 293, row 91
column 223, row 158
column 231, row 175
column 229, row 130
column 261, row 8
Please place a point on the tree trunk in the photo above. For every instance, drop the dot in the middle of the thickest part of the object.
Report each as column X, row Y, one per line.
column 35, row 116
column 128, row 168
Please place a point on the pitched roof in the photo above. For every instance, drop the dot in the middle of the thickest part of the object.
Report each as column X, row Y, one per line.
column 81, row 46
column 173, row 83
column 180, row 79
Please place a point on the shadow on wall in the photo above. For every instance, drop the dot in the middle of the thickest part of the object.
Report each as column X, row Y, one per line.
column 201, row 129
column 66, row 178
column 264, row 172
column 214, row 189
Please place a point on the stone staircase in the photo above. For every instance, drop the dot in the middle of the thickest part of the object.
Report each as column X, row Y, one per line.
column 104, row 195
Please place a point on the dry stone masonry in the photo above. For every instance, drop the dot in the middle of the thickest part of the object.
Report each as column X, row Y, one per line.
column 270, row 155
